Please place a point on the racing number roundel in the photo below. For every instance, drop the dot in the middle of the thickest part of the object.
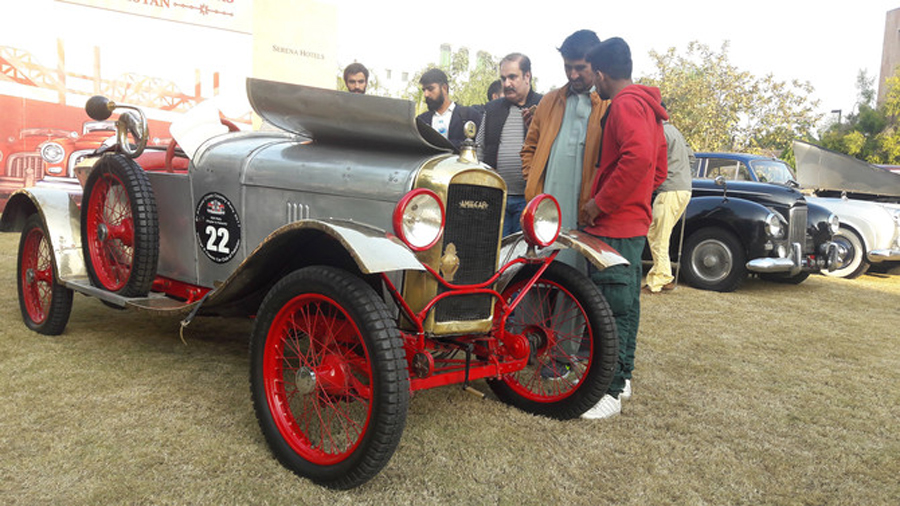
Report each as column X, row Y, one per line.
column 218, row 227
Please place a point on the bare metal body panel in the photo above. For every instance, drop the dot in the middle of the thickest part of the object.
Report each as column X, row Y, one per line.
column 62, row 219
column 343, row 118
column 821, row 169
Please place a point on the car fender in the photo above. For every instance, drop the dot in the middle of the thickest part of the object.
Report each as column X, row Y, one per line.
column 745, row 218
column 339, row 243
column 597, row 252
column 61, row 214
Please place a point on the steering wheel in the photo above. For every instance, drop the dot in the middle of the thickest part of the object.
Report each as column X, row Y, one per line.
column 170, row 149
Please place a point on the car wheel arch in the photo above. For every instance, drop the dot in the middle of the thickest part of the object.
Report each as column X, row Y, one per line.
column 303, row 244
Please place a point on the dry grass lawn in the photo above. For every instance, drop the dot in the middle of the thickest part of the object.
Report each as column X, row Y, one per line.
column 770, row 395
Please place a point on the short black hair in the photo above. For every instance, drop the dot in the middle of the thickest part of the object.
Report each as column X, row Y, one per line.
column 577, row 45
column 432, row 76
column 495, row 87
column 523, row 61
column 356, row 68
column 612, row 57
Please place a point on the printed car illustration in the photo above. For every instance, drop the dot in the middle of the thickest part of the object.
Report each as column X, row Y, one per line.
column 368, row 252
column 20, row 159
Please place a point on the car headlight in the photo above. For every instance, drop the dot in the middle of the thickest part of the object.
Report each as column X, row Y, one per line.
column 540, row 220
column 834, row 224
column 775, row 225
column 419, row 219
column 52, row 153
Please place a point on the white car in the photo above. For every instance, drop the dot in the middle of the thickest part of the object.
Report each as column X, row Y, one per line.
column 866, row 199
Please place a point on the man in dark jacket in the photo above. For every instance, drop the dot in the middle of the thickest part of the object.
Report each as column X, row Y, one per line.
column 632, row 164
column 503, row 129
column 444, row 115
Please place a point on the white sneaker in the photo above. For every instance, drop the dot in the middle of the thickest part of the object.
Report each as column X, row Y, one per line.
column 608, row 406
column 626, row 392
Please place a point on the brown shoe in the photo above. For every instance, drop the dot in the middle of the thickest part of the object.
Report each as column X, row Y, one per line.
column 668, row 287
column 646, row 289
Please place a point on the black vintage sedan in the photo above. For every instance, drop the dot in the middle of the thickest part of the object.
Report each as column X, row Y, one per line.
column 734, row 228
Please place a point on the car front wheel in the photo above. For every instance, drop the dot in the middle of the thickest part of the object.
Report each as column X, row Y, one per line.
column 573, row 341
column 714, row 259
column 328, row 377
column 856, row 264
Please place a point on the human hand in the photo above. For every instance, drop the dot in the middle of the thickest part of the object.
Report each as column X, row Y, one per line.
column 527, row 115
column 589, row 212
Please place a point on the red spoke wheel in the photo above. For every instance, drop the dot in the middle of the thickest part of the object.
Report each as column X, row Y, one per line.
column 328, row 377
column 573, row 341
column 119, row 228
column 45, row 304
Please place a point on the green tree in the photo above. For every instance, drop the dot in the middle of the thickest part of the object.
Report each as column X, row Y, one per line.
column 719, row 107
column 870, row 133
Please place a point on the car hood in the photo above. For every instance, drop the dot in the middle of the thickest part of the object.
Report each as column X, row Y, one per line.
column 341, row 118
column 763, row 193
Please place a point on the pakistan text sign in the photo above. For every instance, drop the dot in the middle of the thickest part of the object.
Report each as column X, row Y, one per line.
column 233, row 15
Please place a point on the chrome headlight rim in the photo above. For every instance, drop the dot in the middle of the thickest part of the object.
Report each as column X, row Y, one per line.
column 776, row 227
column 53, row 152
column 541, row 221
column 419, row 219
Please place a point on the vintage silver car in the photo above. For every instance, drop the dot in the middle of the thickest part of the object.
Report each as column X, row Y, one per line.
column 368, row 251
column 866, row 198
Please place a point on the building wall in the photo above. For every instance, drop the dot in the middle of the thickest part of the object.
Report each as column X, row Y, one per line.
column 890, row 52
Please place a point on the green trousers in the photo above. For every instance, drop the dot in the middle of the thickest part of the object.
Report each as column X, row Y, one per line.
column 621, row 287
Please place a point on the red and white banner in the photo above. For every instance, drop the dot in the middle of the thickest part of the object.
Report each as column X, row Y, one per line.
column 233, row 15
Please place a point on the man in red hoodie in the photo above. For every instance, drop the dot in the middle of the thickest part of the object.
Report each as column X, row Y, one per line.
column 632, row 164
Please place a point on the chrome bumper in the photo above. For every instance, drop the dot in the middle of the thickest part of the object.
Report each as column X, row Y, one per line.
column 792, row 265
column 884, row 255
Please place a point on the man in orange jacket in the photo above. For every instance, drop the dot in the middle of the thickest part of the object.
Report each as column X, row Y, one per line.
column 563, row 142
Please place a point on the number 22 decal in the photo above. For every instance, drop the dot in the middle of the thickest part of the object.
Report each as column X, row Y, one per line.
column 218, row 227
column 213, row 233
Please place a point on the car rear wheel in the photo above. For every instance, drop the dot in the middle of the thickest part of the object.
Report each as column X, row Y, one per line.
column 45, row 304
column 714, row 259
column 119, row 227
column 328, row 377
column 856, row 255
column 574, row 347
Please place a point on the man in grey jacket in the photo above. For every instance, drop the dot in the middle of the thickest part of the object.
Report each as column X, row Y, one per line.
column 670, row 203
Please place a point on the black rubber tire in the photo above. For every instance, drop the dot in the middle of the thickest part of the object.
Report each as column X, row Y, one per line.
column 141, row 204
column 785, row 278
column 48, row 317
column 714, row 260
column 378, row 338
column 858, row 264
column 594, row 380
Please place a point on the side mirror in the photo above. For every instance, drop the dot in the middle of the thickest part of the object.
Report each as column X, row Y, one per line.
column 720, row 181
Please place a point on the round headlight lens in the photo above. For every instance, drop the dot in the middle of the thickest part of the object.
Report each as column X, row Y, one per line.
column 52, row 152
column 540, row 220
column 419, row 219
column 834, row 224
column 774, row 226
